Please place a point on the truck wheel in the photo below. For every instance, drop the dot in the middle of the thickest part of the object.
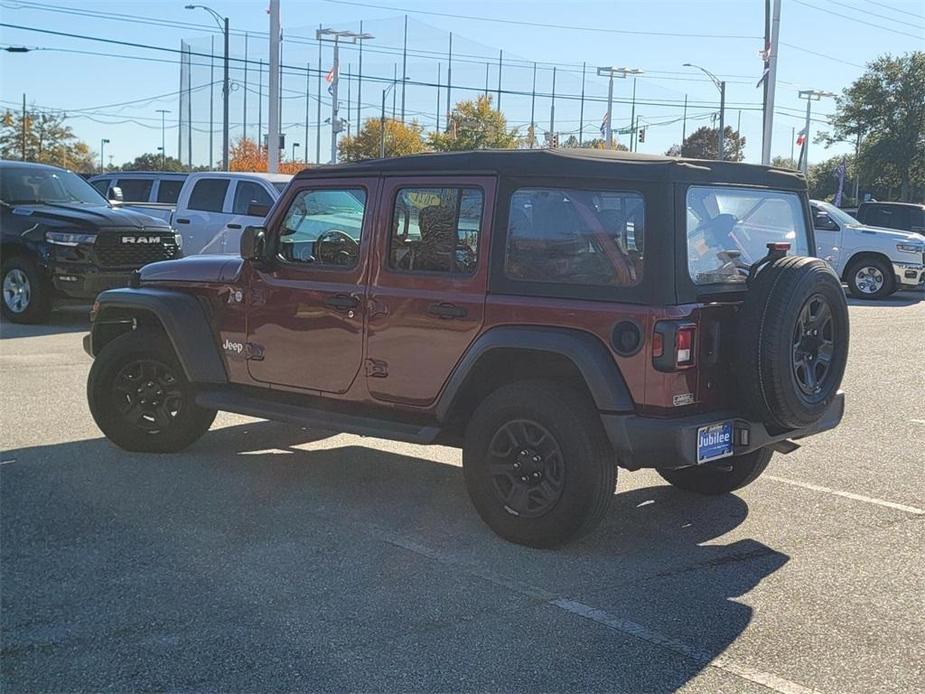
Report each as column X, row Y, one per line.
column 537, row 465
column 870, row 278
column 26, row 294
column 721, row 477
column 791, row 342
column 140, row 398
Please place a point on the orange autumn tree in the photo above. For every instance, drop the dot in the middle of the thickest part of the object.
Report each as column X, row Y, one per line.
column 247, row 156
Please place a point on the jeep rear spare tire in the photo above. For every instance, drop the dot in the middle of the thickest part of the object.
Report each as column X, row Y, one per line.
column 791, row 342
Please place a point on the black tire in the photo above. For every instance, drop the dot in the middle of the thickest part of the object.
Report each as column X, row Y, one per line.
column 787, row 374
column 870, row 278
column 26, row 292
column 562, row 440
column 159, row 416
column 722, row 477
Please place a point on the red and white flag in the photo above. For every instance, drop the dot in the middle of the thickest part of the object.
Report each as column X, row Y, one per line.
column 332, row 73
column 801, row 137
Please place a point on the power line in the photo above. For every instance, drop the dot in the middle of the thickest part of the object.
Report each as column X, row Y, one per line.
column 822, row 55
column 904, row 22
column 894, row 9
column 858, row 21
column 518, row 22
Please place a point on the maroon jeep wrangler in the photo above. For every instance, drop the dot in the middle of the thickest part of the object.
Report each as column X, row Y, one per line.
column 555, row 314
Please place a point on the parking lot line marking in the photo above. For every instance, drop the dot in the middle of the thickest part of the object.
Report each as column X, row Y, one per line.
column 848, row 495
column 7, row 462
column 918, row 421
column 624, row 626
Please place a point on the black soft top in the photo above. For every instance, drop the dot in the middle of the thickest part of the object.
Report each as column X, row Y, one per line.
column 578, row 163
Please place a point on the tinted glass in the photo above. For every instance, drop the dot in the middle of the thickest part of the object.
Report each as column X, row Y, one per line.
column 728, row 229
column 822, row 220
column 583, row 237
column 323, row 227
column 101, row 186
column 135, row 189
column 248, row 192
column 169, row 191
column 209, row 194
column 436, row 230
column 27, row 184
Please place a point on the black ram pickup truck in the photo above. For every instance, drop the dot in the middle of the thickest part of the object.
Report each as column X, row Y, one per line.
column 62, row 239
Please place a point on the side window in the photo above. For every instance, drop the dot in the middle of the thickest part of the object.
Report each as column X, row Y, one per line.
column 821, row 220
column 436, row 230
column 169, row 190
column 135, row 189
column 102, row 186
column 572, row 236
column 247, row 192
column 208, row 194
column 323, row 227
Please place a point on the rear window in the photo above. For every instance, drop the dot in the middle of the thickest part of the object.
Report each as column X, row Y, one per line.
column 728, row 230
column 248, row 192
column 169, row 191
column 574, row 236
column 135, row 189
column 209, row 194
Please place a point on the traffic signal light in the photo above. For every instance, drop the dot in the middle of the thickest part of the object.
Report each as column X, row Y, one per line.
column 642, row 134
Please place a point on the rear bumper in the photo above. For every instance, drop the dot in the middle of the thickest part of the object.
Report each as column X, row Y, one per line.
column 641, row 442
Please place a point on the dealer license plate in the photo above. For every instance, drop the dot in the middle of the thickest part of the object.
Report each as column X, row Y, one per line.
column 714, row 442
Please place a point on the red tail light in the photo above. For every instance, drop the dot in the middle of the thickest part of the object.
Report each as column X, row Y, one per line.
column 658, row 345
column 674, row 345
column 684, row 345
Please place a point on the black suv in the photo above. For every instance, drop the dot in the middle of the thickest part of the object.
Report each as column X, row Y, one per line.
column 61, row 238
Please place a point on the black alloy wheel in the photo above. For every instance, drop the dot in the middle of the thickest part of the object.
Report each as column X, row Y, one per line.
column 147, row 395
column 527, row 468
column 813, row 345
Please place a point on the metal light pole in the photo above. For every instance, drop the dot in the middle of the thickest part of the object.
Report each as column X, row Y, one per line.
column 721, row 86
column 328, row 34
column 385, row 93
column 810, row 95
column 163, row 112
column 610, row 73
column 223, row 25
column 103, row 144
column 294, row 145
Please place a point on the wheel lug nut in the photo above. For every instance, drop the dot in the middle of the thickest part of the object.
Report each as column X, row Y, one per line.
column 536, row 459
column 536, row 475
column 517, row 466
column 523, row 479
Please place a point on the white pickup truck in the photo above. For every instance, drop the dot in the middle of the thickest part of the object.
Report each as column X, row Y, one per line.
column 873, row 261
column 214, row 207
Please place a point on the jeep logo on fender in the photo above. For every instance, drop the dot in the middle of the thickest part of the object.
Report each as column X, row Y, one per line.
column 141, row 239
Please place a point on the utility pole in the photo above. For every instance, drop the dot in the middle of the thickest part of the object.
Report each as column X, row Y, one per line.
column 211, row 99
column 260, row 106
column 273, row 129
column 163, row 112
column 359, row 85
column 246, row 62
column 103, row 144
column 385, row 93
column 581, row 108
column 771, row 78
column 620, row 73
column 684, row 125
column 532, row 109
column 552, row 106
column 337, row 36
column 449, row 81
column 793, row 135
column 500, row 61
column 404, row 71
column 294, row 145
column 721, row 86
column 23, row 147
column 226, row 95
column 810, row 95
column 318, row 105
column 632, row 119
column 308, row 88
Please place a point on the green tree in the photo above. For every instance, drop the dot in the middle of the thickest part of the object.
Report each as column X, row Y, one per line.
column 784, row 163
column 822, row 183
column 885, row 109
column 152, row 161
column 593, row 143
column 703, row 144
column 474, row 124
column 400, row 139
column 48, row 140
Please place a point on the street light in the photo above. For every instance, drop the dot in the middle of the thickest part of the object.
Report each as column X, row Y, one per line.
column 721, row 86
column 103, row 144
column 610, row 73
column 328, row 34
column 223, row 25
column 810, row 95
column 385, row 93
column 163, row 147
column 294, row 145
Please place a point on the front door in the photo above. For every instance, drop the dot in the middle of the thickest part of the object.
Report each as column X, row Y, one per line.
column 306, row 304
column 828, row 237
column 427, row 295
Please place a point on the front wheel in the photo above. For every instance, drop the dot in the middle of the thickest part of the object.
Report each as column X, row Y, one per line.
column 26, row 293
column 722, row 477
column 870, row 278
column 140, row 398
column 537, row 464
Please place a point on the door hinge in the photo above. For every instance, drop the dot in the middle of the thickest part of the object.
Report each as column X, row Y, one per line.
column 377, row 368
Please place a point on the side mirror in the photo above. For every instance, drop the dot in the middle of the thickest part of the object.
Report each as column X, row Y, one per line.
column 115, row 194
column 253, row 243
column 255, row 209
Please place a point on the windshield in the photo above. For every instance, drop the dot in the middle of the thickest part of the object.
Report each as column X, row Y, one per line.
column 836, row 214
column 728, row 229
column 22, row 184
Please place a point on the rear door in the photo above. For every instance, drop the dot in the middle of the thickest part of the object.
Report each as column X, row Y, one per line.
column 427, row 292
column 203, row 212
column 135, row 188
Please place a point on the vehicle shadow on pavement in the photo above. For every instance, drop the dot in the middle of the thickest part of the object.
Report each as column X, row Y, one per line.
column 250, row 563
column 69, row 319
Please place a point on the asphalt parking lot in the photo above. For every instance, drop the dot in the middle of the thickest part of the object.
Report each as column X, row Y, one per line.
column 268, row 557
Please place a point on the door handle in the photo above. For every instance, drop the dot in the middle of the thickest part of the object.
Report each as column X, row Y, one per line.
column 182, row 221
column 234, row 226
column 342, row 302
column 447, row 311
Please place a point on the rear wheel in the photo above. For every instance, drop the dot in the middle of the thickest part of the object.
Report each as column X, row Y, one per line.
column 870, row 278
column 26, row 294
column 722, row 477
column 537, row 465
column 140, row 398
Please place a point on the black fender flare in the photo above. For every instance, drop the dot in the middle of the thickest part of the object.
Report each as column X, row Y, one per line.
column 183, row 319
column 592, row 359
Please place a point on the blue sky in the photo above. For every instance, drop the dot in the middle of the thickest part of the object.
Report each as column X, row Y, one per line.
column 825, row 45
